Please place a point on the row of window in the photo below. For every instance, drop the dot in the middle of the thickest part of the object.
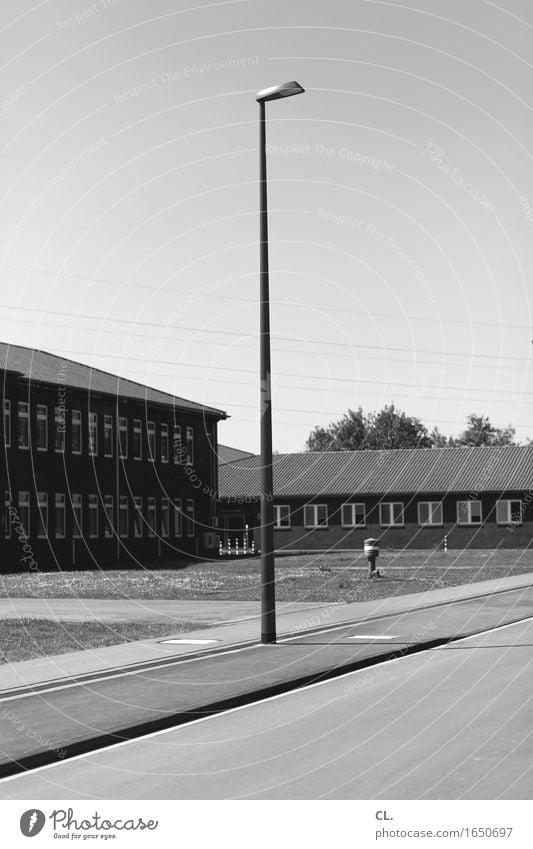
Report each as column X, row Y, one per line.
column 182, row 453
column 391, row 513
column 176, row 518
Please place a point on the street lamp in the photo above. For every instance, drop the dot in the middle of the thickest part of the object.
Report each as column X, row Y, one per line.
column 268, row 596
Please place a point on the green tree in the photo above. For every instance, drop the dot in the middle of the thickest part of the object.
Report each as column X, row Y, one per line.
column 355, row 431
column 479, row 431
column 346, row 434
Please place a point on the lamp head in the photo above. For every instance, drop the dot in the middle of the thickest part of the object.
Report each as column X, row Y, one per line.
column 276, row 92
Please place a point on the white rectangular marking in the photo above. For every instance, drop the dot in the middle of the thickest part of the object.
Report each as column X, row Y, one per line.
column 191, row 642
column 371, row 637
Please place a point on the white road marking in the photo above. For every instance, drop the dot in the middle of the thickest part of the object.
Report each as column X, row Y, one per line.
column 191, row 642
column 372, row 637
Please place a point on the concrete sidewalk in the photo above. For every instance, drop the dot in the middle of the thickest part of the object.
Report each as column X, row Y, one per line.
column 91, row 662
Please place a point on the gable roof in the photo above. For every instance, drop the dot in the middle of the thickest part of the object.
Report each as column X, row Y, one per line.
column 411, row 470
column 226, row 454
column 32, row 364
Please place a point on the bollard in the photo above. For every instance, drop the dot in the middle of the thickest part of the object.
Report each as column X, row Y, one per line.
column 220, row 549
column 371, row 549
column 445, row 544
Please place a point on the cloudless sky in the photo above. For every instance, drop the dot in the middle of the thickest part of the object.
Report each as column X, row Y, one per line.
column 400, row 194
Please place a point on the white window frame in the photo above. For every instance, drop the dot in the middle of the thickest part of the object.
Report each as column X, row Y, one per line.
column 137, row 517
column 314, row 522
column 23, row 414
column 123, row 517
column 60, row 513
column 152, row 516
column 109, row 516
column 469, row 511
column 7, row 423
column 108, row 429
column 282, row 517
column 92, row 433
column 178, row 518
column 389, row 522
column 60, row 428
column 164, row 446
column 190, row 510
column 511, row 515
column 92, row 510
column 433, row 507
column 8, row 502
column 151, row 440
column 165, row 512
column 177, row 446
column 42, row 510
column 77, row 516
column 137, row 432
column 24, row 505
column 350, row 507
column 77, row 426
column 189, row 441
column 41, row 415
column 123, row 437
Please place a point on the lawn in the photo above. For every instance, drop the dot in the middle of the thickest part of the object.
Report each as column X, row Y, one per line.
column 23, row 639
column 328, row 577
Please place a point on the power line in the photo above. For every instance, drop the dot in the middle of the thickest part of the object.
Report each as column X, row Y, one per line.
column 324, row 309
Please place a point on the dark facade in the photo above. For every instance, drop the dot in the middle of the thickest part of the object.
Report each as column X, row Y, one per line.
column 103, row 474
column 479, row 498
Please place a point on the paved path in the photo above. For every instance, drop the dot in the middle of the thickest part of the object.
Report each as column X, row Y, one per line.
column 457, row 727
column 128, row 610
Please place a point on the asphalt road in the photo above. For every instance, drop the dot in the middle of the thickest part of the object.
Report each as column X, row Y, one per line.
column 449, row 723
column 38, row 724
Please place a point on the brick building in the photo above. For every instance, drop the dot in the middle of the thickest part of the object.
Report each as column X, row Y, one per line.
column 409, row 498
column 99, row 470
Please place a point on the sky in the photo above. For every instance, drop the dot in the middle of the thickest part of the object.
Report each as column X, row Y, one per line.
column 400, row 202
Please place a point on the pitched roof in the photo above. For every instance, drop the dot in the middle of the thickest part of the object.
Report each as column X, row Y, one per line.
column 32, row 364
column 411, row 470
column 228, row 455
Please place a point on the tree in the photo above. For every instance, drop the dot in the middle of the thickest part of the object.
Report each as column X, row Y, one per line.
column 440, row 440
column 355, row 431
column 479, row 431
column 347, row 434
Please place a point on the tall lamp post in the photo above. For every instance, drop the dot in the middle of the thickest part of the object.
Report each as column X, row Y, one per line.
column 268, row 596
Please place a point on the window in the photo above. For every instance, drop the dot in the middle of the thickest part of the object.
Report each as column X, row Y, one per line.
column 430, row 513
column 76, row 432
column 190, row 517
column 509, row 512
column 390, row 513
column 316, row 515
column 59, row 429
column 138, row 517
column 164, row 443
column 60, row 515
column 123, row 516
column 123, row 437
column 42, row 428
column 77, row 518
column 24, row 511
column 7, row 515
column 178, row 458
column 353, row 515
column 282, row 516
column 7, row 423
column 151, row 516
column 108, row 436
column 469, row 512
column 109, row 517
column 93, row 434
column 23, row 425
column 137, row 439
column 150, row 430
column 190, row 447
column 165, row 517
column 93, row 516
column 42, row 515
column 178, row 524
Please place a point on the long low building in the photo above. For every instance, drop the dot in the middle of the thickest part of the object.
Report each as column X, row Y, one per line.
column 407, row 498
column 99, row 470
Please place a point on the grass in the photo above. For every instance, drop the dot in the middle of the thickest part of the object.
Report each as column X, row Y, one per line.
column 24, row 639
column 320, row 577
